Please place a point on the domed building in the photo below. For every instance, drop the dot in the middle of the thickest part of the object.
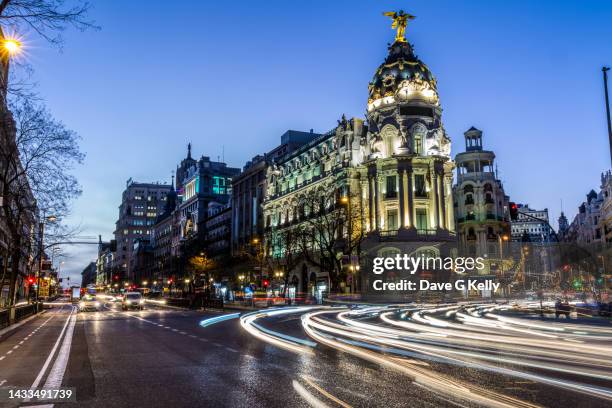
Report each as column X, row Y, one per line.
column 392, row 171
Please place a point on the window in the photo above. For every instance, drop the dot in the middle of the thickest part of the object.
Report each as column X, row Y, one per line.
column 392, row 220
column 421, row 219
column 418, row 144
column 391, row 187
column 419, row 185
column 416, row 111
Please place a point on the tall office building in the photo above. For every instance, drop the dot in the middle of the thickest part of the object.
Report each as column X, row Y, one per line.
column 141, row 203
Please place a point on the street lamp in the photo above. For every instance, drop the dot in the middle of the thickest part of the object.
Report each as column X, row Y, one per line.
column 41, row 250
column 10, row 48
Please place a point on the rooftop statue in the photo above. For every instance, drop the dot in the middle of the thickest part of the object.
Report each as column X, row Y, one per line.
column 400, row 20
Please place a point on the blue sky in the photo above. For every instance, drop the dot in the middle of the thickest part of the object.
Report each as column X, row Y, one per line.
column 238, row 74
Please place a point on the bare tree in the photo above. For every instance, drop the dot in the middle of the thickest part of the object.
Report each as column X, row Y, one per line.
column 48, row 18
column 332, row 228
column 285, row 248
column 35, row 178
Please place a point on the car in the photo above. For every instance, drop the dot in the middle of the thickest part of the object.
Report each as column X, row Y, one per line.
column 604, row 309
column 562, row 308
column 89, row 302
column 132, row 300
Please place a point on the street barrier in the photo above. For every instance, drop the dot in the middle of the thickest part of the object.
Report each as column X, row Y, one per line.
column 17, row 313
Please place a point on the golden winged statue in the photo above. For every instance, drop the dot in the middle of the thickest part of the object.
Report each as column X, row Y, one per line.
column 400, row 20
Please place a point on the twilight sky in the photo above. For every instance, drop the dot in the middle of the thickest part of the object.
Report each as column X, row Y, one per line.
column 238, row 74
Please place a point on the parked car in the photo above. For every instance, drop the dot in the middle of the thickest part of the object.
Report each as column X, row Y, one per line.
column 132, row 300
column 89, row 302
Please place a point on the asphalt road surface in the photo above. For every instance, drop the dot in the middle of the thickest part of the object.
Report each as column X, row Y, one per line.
column 162, row 357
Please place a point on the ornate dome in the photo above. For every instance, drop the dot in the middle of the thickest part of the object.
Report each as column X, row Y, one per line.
column 401, row 77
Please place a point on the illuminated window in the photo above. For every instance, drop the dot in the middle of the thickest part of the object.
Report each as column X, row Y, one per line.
column 421, row 219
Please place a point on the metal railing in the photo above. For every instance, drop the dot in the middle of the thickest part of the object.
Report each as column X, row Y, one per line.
column 20, row 313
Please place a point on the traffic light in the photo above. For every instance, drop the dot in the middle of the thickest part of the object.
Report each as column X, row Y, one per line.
column 31, row 280
column 513, row 211
column 266, row 283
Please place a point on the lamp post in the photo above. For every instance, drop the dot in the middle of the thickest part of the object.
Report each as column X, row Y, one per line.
column 605, row 78
column 354, row 266
column 501, row 239
column 41, row 251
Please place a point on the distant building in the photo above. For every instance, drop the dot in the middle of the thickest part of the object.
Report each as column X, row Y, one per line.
column 218, row 232
column 591, row 225
column 200, row 182
column 563, row 226
column 165, row 241
column 141, row 203
column 88, row 276
column 480, row 203
column 605, row 212
column 532, row 224
column 180, row 231
column 249, row 189
column 104, row 263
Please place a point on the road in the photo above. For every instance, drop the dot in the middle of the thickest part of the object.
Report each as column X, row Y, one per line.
column 426, row 356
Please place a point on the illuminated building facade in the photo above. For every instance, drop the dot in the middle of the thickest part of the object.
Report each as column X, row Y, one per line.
column 200, row 182
column 481, row 205
column 249, row 189
column 393, row 168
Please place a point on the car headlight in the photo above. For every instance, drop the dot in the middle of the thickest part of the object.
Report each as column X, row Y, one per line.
column 81, row 304
column 129, row 302
column 141, row 301
column 97, row 304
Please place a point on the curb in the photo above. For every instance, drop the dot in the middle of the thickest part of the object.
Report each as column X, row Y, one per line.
column 15, row 326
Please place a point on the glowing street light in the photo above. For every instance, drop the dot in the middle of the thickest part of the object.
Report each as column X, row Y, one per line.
column 12, row 46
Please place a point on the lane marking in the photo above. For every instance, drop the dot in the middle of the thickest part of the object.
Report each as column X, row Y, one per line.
column 51, row 354
column 232, row 350
column 56, row 375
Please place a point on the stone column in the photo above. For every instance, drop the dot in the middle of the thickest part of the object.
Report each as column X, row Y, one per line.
column 411, row 214
column 371, row 201
column 402, row 204
column 442, row 207
column 434, row 179
column 376, row 203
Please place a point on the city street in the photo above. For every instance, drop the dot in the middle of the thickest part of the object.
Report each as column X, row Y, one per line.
column 308, row 356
